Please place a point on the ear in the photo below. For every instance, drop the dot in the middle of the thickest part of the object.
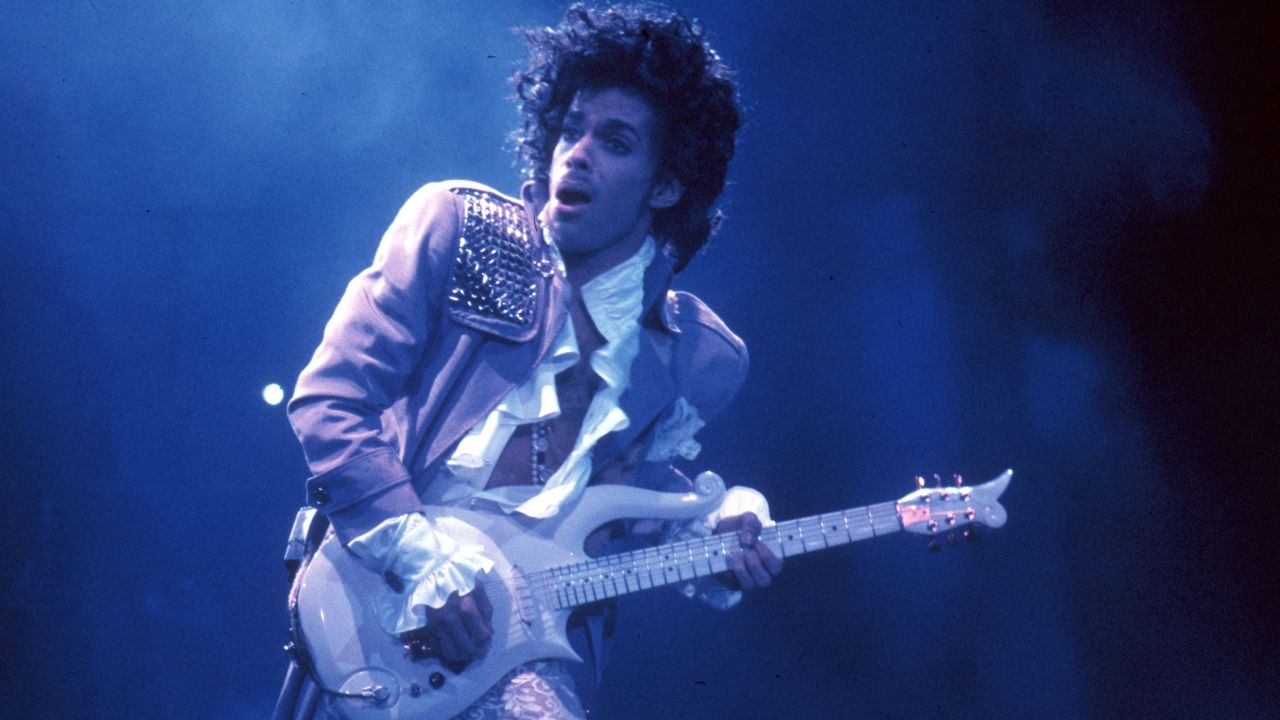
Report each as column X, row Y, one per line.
column 666, row 192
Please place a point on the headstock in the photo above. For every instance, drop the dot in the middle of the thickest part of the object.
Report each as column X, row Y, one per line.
column 937, row 510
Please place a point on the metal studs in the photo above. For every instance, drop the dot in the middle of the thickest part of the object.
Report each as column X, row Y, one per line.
column 495, row 274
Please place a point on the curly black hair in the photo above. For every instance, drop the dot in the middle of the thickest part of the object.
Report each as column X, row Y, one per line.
column 666, row 58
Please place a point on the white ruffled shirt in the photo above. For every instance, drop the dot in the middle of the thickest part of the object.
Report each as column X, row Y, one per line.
column 431, row 566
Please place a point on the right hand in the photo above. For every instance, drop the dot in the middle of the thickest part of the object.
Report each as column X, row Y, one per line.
column 462, row 628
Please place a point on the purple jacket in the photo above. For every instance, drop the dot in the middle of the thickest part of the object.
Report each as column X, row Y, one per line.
column 459, row 306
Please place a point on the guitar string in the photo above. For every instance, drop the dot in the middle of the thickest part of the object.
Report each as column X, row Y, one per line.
column 614, row 575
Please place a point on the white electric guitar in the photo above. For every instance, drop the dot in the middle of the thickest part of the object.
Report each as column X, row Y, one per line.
column 541, row 574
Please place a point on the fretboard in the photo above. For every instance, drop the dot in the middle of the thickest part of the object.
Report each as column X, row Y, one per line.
column 613, row 575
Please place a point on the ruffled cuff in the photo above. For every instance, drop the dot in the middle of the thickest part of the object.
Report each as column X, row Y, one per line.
column 673, row 436
column 737, row 500
column 422, row 567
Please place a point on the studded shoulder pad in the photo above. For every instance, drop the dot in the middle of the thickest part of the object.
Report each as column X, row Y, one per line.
column 494, row 284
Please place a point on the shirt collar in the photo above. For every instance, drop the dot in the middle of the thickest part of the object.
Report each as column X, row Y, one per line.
column 615, row 297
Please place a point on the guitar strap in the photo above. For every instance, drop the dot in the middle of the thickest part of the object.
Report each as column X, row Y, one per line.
column 309, row 528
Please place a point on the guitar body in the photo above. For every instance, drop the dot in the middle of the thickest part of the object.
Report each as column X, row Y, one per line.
column 352, row 654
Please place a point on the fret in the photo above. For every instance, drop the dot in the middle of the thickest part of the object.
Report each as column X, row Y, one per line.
column 562, row 588
column 695, row 552
column 706, row 558
column 584, row 578
column 620, row 568
column 644, row 578
column 667, row 571
column 702, row 556
column 862, row 527
column 616, row 574
column 833, row 529
column 790, row 543
column 811, row 533
column 562, row 595
column 673, row 561
column 607, row 584
column 662, row 556
column 654, row 561
column 884, row 518
column 684, row 568
column 716, row 560
column 653, row 566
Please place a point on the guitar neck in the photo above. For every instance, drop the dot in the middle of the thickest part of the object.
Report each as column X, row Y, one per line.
column 614, row 575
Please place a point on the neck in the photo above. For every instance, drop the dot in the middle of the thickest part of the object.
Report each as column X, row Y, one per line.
column 612, row 575
column 582, row 268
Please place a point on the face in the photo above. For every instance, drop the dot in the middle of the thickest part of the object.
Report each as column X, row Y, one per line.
column 604, row 185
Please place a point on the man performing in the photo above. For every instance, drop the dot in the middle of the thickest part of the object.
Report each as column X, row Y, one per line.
column 502, row 355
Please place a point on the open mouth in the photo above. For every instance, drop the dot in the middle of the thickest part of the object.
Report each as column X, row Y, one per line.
column 572, row 196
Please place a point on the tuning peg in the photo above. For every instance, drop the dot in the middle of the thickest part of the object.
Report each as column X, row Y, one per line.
column 952, row 539
column 959, row 480
column 937, row 480
column 920, row 481
column 934, row 547
column 970, row 534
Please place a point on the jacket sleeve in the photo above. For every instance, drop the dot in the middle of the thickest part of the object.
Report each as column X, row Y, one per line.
column 712, row 363
column 372, row 345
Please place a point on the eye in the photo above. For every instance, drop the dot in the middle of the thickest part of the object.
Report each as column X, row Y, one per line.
column 618, row 146
column 570, row 133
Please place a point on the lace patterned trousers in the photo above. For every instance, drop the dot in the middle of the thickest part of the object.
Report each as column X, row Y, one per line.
column 540, row 690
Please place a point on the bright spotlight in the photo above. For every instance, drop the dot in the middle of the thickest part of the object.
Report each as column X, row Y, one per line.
column 273, row 394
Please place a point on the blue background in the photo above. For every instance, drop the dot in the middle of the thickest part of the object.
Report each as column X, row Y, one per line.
column 961, row 236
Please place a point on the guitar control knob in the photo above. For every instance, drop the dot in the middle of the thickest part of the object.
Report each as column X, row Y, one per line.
column 436, row 680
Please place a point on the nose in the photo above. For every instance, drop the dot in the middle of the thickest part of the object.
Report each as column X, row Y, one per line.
column 578, row 157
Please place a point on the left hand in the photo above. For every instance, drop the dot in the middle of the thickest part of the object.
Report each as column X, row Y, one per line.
column 755, row 565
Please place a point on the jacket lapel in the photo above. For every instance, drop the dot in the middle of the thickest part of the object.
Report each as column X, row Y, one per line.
column 651, row 388
column 650, row 391
column 496, row 368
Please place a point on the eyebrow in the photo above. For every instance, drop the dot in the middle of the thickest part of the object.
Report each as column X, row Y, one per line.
column 607, row 125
